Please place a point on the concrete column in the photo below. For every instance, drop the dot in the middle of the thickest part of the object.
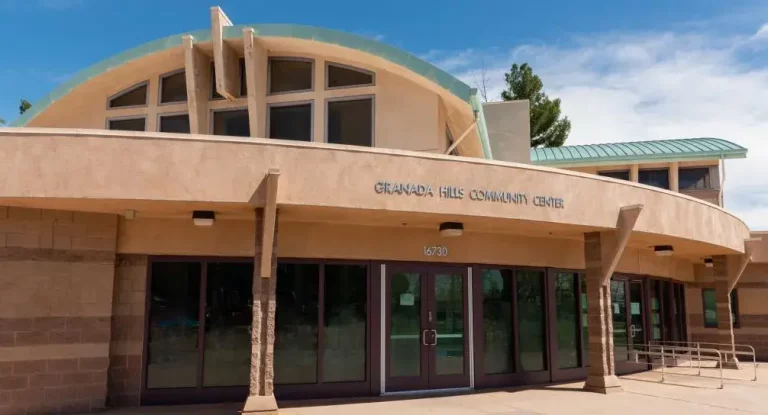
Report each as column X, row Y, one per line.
column 261, row 397
column 602, row 369
column 723, row 303
column 674, row 176
column 634, row 173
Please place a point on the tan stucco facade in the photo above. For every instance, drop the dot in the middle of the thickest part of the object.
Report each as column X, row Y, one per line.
column 107, row 203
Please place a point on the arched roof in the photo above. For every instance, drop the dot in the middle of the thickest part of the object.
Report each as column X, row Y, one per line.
column 373, row 47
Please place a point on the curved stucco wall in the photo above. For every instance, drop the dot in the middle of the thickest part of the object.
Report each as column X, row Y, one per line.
column 100, row 165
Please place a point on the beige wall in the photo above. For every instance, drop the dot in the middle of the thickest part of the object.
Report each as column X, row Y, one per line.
column 406, row 112
column 236, row 238
column 124, row 167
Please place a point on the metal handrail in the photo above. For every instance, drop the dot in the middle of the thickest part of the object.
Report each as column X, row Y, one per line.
column 663, row 353
column 734, row 352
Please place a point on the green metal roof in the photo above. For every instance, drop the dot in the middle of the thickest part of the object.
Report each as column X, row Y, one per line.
column 638, row 152
column 390, row 53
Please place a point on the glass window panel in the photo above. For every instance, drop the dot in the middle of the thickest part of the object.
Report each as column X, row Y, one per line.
column 710, row 307
column 174, row 312
column 289, row 75
column 341, row 76
column 656, row 324
column 567, row 320
column 173, row 88
column 530, row 319
column 232, row 123
column 734, row 308
column 134, row 96
column 694, row 178
column 636, row 304
column 351, row 122
column 621, row 175
column 174, row 123
column 657, row 178
column 228, row 314
column 291, row 122
column 620, row 329
column 584, row 327
column 296, row 323
column 405, row 324
column 345, row 315
column 498, row 338
column 449, row 323
column 128, row 124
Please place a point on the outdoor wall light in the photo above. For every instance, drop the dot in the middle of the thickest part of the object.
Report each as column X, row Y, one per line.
column 203, row 217
column 708, row 263
column 663, row 250
column 451, row 229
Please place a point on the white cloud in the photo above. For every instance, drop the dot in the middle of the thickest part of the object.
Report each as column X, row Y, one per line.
column 761, row 34
column 631, row 87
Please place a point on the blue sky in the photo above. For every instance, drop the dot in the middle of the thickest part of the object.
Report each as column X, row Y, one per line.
column 50, row 40
column 625, row 70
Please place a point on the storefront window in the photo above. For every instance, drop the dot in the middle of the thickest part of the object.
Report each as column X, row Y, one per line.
column 228, row 314
column 655, row 309
column 296, row 323
column 322, row 316
column 530, row 320
column 567, row 320
column 345, row 317
column 584, row 320
column 174, row 320
column 710, row 308
column 498, row 338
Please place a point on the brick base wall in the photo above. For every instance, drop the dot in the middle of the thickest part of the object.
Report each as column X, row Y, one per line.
column 125, row 351
column 56, row 279
column 752, row 329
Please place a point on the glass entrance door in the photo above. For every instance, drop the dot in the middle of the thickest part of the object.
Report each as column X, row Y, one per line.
column 629, row 333
column 426, row 345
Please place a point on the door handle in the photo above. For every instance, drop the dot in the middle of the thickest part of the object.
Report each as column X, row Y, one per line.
column 424, row 337
column 434, row 333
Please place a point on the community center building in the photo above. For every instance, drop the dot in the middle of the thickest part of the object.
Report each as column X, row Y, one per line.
column 259, row 213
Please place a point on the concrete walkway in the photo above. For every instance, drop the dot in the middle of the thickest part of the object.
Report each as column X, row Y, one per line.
column 643, row 394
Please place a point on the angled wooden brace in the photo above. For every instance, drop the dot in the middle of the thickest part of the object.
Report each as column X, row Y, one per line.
column 270, row 218
column 624, row 225
column 736, row 269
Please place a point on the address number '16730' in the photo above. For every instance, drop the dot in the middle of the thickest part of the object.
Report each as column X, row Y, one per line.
column 435, row 251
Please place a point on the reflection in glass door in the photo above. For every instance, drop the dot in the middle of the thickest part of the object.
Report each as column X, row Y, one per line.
column 620, row 321
column 636, row 322
column 426, row 323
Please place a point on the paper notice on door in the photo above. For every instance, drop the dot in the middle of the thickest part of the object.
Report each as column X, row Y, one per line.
column 407, row 299
column 635, row 309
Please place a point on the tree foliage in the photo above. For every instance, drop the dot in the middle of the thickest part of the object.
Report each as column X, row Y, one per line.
column 23, row 106
column 548, row 128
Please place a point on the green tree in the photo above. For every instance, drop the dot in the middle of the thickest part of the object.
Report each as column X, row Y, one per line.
column 23, row 106
column 548, row 128
column 2, row 121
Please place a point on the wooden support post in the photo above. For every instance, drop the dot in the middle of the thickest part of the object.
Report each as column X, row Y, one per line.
column 624, row 225
column 256, row 82
column 198, row 73
column 225, row 59
column 261, row 394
